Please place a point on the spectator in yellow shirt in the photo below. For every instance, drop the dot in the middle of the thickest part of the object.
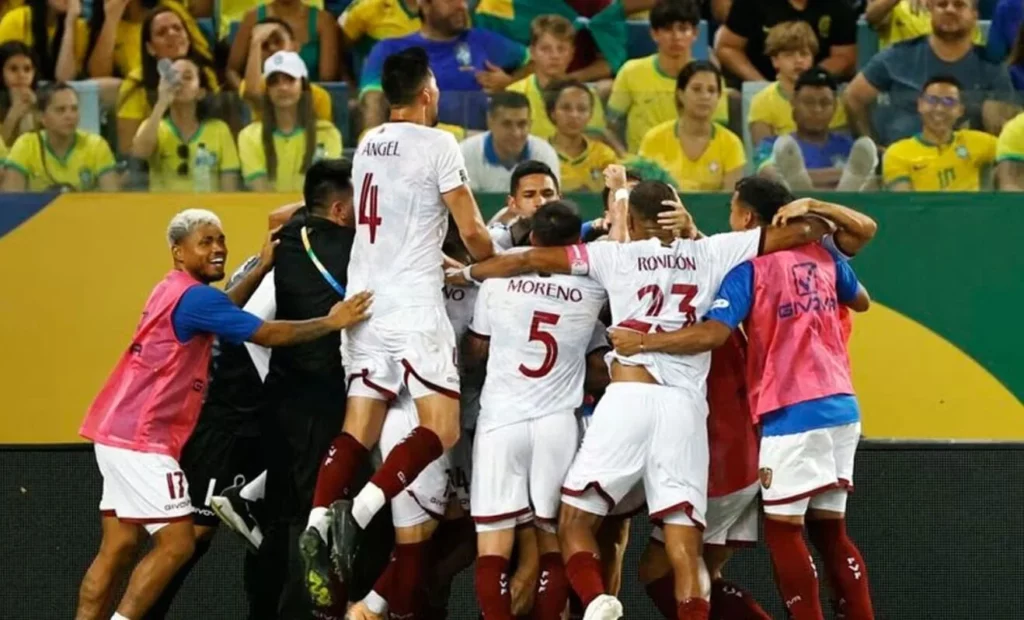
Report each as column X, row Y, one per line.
column 940, row 158
column 364, row 22
column 187, row 151
column 164, row 36
column 791, row 47
column 551, row 49
column 571, row 105
column 60, row 156
column 55, row 32
column 644, row 92
column 18, row 81
column 276, row 152
column 701, row 155
column 269, row 37
column 1010, row 156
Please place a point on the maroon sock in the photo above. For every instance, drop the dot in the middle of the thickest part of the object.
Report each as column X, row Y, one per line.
column 584, row 572
column 493, row 593
column 795, row 574
column 384, row 586
column 845, row 567
column 731, row 602
column 552, row 588
column 420, row 448
column 410, row 567
column 662, row 591
column 693, row 609
column 338, row 469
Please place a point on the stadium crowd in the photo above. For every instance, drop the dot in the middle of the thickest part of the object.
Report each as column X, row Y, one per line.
column 209, row 96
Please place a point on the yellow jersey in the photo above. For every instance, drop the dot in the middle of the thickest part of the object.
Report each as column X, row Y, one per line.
column 1010, row 146
column 132, row 103
column 585, row 172
column 772, row 106
column 364, row 22
column 211, row 153
column 541, row 125
column 16, row 25
column 86, row 161
column 954, row 167
column 3, row 156
column 905, row 23
column 290, row 149
column 645, row 96
column 321, row 102
column 232, row 11
column 723, row 155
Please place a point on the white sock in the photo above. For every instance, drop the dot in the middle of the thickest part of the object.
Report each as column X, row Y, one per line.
column 118, row 616
column 318, row 518
column 375, row 603
column 368, row 503
column 256, row 489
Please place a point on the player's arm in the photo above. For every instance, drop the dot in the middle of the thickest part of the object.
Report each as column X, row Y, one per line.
column 241, row 291
column 849, row 291
column 854, row 230
column 861, row 301
column 1010, row 175
column 509, row 264
column 285, row 333
column 470, row 223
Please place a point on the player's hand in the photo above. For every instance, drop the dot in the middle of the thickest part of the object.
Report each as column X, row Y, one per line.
column 626, row 342
column 795, row 209
column 267, row 251
column 493, row 78
column 23, row 100
column 615, row 177
column 451, row 263
column 678, row 220
column 524, row 588
column 353, row 310
column 455, row 277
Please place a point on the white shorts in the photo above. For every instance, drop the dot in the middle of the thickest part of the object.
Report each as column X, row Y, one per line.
column 813, row 469
column 142, row 487
column 732, row 518
column 519, row 467
column 445, row 479
column 650, row 433
column 414, row 348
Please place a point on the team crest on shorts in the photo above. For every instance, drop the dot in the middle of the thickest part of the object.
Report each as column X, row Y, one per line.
column 766, row 477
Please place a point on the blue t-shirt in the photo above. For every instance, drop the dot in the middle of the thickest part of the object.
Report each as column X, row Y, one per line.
column 899, row 72
column 1005, row 22
column 832, row 154
column 455, row 65
column 732, row 305
column 205, row 309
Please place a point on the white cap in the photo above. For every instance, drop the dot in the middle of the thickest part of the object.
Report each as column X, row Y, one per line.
column 288, row 63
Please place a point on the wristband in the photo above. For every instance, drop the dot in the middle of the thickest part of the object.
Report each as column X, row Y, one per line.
column 468, row 275
column 621, row 194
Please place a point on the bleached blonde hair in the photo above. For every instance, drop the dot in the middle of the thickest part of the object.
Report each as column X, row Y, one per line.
column 188, row 220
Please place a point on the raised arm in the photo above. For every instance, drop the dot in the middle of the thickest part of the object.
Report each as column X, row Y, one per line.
column 470, row 223
column 795, row 234
column 242, row 290
column 854, row 230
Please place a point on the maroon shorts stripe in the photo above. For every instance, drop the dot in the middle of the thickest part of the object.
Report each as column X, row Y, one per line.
column 687, row 507
column 804, row 495
column 597, row 489
column 364, row 374
column 409, row 370
column 515, row 514
column 152, row 520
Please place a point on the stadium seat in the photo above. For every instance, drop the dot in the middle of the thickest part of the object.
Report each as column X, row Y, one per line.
column 749, row 90
column 641, row 44
column 339, row 107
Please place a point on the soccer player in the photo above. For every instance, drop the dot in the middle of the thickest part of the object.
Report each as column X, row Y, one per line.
column 533, row 184
column 534, row 331
column 148, row 407
column 799, row 388
column 654, row 282
column 408, row 176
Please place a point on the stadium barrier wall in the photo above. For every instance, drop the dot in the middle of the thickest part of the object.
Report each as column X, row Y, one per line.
column 937, row 356
column 938, row 524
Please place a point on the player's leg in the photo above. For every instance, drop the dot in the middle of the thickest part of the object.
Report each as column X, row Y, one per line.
column 117, row 549
column 826, row 526
column 656, row 575
column 732, row 523
column 204, row 536
column 173, row 545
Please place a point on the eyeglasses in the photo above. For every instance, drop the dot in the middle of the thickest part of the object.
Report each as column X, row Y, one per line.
column 183, row 155
column 946, row 102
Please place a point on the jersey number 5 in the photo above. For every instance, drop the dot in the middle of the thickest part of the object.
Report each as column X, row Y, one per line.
column 550, row 344
column 368, row 206
column 686, row 291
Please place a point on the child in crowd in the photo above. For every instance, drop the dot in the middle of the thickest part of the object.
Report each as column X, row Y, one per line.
column 164, row 36
column 700, row 154
column 551, row 48
column 18, row 81
column 276, row 151
column 644, row 93
column 186, row 150
column 60, row 156
column 270, row 36
column 791, row 46
column 582, row 160
column 55, row 32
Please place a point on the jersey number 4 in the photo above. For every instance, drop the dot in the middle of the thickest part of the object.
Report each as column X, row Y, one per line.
column 685, row 291
column 368, row 206
column 550, row 344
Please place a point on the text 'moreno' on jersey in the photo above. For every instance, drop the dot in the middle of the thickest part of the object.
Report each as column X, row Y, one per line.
column 399, row 172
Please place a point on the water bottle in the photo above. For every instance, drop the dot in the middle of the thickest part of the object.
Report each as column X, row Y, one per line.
column 202, row 169
column 166, row 70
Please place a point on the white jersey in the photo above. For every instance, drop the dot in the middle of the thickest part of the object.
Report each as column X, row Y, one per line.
column 540, row 329
column 461, row 303
column 399, row 172
column 657, row 288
